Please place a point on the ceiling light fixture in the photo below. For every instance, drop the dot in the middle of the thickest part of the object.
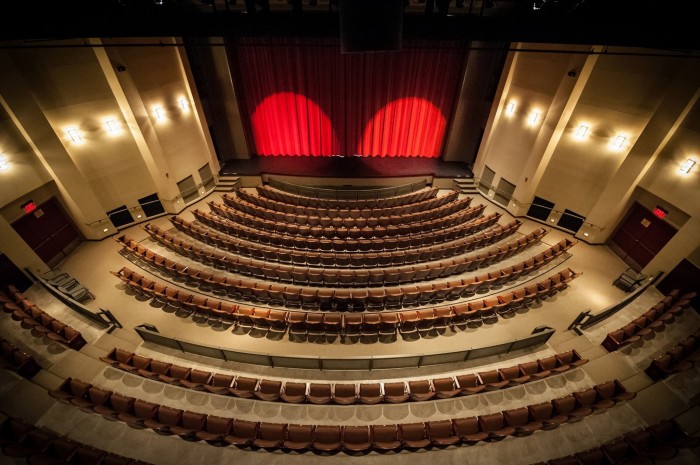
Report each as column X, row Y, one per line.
column 4, row 164
column 510, row 108
column 184, row 104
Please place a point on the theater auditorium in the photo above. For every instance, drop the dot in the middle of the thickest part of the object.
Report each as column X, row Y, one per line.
column 349, row 231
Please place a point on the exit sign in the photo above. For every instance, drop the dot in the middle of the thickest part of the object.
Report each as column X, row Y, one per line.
column 29, row 207
column 659, row 212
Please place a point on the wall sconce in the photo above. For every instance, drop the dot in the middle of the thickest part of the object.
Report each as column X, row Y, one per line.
column 687, row 166
column 618, row 142
column 184, row 104
column 510, row 108
column 74, row 135
column 534, row 116
column 4, row 164
column 113, row 127
column 160, row 113
column 581, row 131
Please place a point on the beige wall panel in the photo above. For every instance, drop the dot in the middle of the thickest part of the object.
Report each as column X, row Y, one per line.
column 25, row 172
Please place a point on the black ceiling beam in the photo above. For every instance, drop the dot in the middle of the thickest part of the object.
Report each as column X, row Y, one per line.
column 654, row 29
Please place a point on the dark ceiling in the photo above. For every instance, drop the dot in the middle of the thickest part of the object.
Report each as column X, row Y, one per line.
column 641, row 23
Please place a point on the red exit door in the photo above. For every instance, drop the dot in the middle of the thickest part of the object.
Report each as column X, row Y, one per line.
column 640, row 237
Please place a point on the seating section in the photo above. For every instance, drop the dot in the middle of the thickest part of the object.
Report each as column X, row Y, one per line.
column 286, row 253
column 473, row 222
column 473, row 313
column 324, row 212
column 653, row 320
column 660, row 441
column 393, row 201
column 684, row 356
column 242, row 212
column 222, row 431
column 302, row 275
column 13, row 358
column 39, row 322
column 314, row 276
column 41, row 446
column 343, row 393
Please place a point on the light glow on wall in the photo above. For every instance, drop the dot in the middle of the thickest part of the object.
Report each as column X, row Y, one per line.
column 533, row 118
column 74, row 135
column 113, row 127
column 687, row 166
column 581, row 131
column 4, row 164
column 618, row 142
column 160, row 113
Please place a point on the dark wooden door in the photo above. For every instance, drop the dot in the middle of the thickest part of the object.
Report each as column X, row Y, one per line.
column 640, row 237
column 49, row 232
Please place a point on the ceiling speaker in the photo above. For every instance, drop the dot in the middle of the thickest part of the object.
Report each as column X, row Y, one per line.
column 370, row 25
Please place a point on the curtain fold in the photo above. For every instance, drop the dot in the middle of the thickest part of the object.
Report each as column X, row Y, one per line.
column 302, row 97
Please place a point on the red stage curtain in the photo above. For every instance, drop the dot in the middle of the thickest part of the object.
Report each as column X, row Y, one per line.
column 303, row 97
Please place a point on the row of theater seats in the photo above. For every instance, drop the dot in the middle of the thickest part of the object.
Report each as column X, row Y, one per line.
column 447, row 215
column 327, row 298
column 343, row 393
column 218, row 430
column 367, row 237
column 652, row 320
column 416, row 254
column 396, row 273
column 304, row 201
column 684, row 356
column 323, row 212
column 298, row 242
column 660, row 441
column 331, row 277
column 41, row 446
column 15, row 359
column 472, row 313
column 40, row 322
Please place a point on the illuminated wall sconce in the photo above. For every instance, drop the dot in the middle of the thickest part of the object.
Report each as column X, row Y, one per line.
column 113, row 127
column 184, row 104
column 618, row 142
column 4, row 164
column 534, row 116
column 74, row 135
column 160, row 113
column 510, row 108
column 687, row 166
column 581, row 131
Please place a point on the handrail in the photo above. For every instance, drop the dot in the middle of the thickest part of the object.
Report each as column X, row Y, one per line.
column 149, row 333
column 478, row 182
column 104, row 318
column 140, row 207
column 347, row 194
column 585, row 319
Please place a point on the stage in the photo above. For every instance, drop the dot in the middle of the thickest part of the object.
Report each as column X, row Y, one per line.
column 350, row 167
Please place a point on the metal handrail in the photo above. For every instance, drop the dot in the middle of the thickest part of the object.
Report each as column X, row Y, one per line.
column 132, row 209
column 347, row 194
column 520, row 204
column 585, row 319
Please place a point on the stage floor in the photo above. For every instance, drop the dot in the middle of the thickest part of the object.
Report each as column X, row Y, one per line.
column 350, row 167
